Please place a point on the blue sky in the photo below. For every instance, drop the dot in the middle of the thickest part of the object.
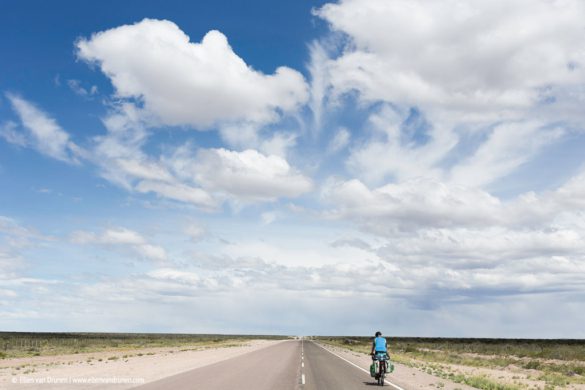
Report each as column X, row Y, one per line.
column 312, row 168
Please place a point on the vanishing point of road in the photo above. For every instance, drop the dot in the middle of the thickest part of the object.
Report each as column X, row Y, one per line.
column 289, row 365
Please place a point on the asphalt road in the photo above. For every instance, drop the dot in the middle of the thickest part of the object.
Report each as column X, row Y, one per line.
column 325, row 371
column 271, row 368
column 290, row 365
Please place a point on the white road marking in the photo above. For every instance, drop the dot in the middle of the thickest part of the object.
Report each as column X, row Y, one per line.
column 356, row 366
column 302, row 362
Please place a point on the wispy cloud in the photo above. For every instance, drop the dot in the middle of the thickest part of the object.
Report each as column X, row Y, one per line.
column 9, row 131
column 77, row 87
column 42, row 132
column 121, row 238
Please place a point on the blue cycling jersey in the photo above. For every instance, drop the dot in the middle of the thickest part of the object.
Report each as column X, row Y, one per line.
column 380, row 344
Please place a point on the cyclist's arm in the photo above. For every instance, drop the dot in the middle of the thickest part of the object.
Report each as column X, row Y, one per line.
column 373, row 346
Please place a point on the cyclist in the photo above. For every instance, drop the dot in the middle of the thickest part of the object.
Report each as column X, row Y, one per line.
column 379, row 346
column 380, row 358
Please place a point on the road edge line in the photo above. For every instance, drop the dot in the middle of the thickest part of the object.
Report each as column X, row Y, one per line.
column 355, row 365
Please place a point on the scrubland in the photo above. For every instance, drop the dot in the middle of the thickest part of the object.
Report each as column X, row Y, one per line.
column 20, row 344
column 490, row 364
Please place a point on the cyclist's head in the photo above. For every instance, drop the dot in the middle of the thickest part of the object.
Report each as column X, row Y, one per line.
column 378, row 333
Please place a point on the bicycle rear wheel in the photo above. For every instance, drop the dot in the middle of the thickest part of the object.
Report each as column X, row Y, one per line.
column 382, row 373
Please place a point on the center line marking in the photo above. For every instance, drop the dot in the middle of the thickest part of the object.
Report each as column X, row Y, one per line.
column 303, row 379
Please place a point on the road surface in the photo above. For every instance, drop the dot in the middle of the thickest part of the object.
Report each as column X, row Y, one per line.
column 290, row 365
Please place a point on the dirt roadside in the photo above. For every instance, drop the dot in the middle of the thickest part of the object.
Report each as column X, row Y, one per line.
column 113, row 369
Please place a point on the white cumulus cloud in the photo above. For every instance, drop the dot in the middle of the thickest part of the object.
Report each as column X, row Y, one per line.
column 416, row 203
column 249, row 174
column 479, row 58
column 188, row 83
